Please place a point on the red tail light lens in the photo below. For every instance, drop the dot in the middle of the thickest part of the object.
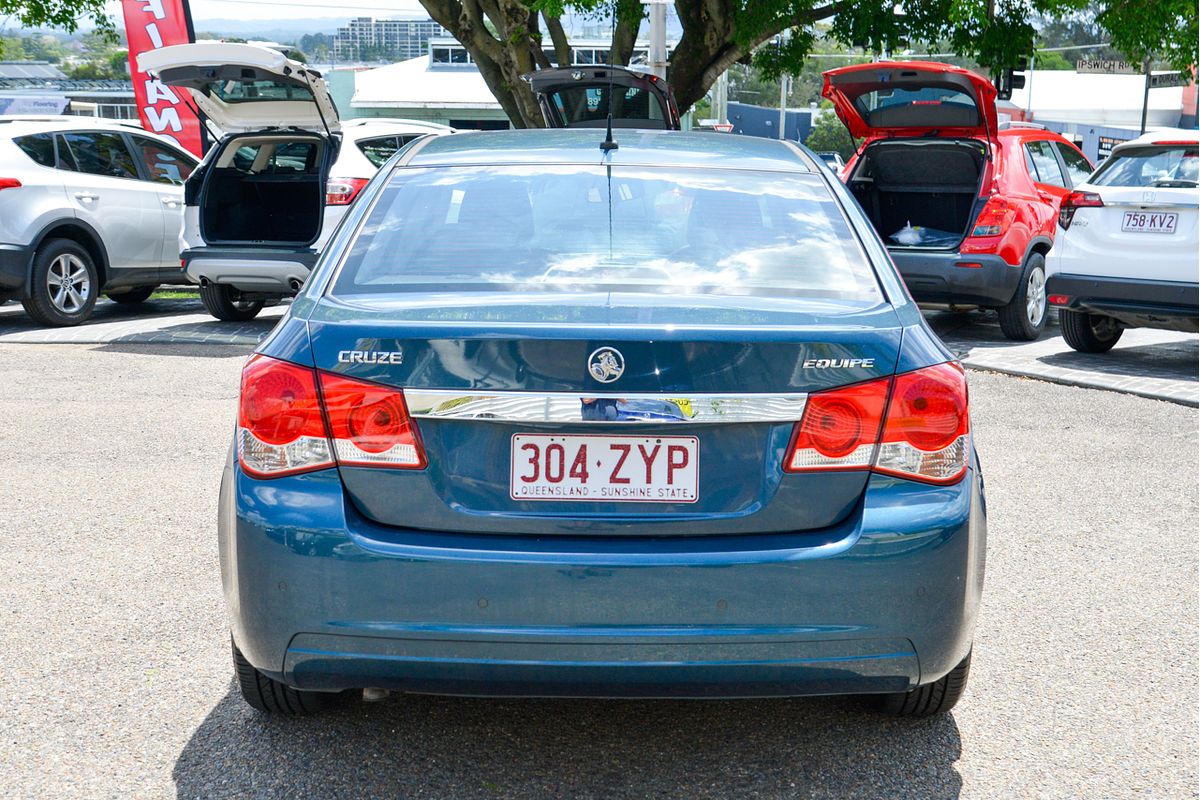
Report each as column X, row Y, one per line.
column 342, row 191
column 370, row 424
column 282, row 422
column 280, row 427
column 921, row 433
column 926, row 433
column 994, row 219
column 840, row 428
column 1074, row 200
column 9, row 183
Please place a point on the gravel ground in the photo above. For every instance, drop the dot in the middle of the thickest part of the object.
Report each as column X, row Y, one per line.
column 114, row 661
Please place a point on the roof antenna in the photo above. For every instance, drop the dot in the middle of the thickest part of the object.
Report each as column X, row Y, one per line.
column 609, row 144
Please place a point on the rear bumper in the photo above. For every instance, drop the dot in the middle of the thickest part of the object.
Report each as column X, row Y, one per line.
column 934, row 277
column 250, row 270
column 321, row 598
column 14, row 265
column 1169, row 305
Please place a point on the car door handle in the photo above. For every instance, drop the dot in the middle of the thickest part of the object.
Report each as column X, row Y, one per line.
column 86, row 197
column 170, row 202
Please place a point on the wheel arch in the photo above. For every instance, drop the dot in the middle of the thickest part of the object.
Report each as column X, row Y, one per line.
column 82, row 234
column 1038, row 244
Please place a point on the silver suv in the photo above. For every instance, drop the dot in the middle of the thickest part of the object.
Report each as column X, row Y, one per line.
column 87, row 206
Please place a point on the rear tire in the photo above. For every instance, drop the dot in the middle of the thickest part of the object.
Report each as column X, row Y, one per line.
column 225, row 303
column 1089, row 333
column 134, row 296
column 63, row 285
column 272, row 697
column 932, row 698
column 1024, row 319
column 5, row 297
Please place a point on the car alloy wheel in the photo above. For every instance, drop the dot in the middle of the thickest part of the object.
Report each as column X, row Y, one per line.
column 68, row 284
column 1035, row 296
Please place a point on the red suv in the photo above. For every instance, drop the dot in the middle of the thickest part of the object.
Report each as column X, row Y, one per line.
column 966, row 208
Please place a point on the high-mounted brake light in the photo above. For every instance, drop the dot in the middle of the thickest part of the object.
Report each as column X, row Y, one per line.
column 913, row 426
column 282, row 422
column 995, row 217
column 9, row 183
column 1074, row 200
column 1168, row 142
column 342, row 191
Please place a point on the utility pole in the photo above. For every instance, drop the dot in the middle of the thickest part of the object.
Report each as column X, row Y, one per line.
column 1146, row 95
column 784, row 80
column 658, row 36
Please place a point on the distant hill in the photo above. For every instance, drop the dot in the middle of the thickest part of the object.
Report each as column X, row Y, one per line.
column 271, row 30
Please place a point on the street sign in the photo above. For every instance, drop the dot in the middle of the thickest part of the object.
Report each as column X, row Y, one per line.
column 1091, row 66
column 1163, row 80
column 723, row 127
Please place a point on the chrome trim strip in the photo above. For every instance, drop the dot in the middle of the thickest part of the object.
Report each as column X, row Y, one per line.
column 598, row 407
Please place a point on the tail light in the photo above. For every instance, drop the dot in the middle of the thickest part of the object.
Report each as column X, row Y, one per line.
column 281, row 430
column 9, row 183
column 292, row 420
column 370, row 424
column 1074, row 200
column 913, row 426
column 342, row 191
column 994, row 219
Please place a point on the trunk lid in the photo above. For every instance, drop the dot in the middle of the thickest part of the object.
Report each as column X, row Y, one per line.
column 246, row 87
column 582, row 97
column 728, row 375
column 905, row 98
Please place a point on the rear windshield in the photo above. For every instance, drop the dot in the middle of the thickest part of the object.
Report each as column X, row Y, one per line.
column 922, row 106
column 588, row 106
column 1164, row 166
column 588, row 228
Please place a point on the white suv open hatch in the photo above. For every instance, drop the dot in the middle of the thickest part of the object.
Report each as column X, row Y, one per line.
column 255, row 207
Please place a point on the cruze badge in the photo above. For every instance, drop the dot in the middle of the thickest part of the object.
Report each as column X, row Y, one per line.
column 370, row 357
column 606, row 364
column 839, row 363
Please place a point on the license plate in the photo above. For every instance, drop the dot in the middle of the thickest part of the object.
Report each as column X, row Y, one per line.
column 1150, row 221
column 641, row 469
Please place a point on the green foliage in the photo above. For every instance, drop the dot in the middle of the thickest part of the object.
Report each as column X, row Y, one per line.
column 829, row 135
column 1052, row 61
column 65, row 14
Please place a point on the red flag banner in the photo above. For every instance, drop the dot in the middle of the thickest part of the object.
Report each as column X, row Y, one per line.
column 149, row 25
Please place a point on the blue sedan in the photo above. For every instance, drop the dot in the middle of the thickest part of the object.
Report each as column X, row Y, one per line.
column 551, row 419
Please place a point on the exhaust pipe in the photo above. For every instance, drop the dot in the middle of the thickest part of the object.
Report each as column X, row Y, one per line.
column 296, row 284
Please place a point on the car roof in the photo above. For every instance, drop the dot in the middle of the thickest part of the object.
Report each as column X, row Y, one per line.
column 364, row 129
column 34, row 123
column 641, row 147
column 1162, row 135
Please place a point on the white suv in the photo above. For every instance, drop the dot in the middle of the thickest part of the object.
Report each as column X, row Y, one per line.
column 1126, row 254
column 87, row 206
column 267, row 196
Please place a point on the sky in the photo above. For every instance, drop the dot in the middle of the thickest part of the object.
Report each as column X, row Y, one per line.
column 282, row 10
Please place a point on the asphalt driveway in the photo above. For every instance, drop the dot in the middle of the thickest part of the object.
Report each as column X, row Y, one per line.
column 114, row 664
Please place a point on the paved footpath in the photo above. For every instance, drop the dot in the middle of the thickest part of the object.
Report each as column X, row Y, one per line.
column 1156, row 364
column 1149, row 363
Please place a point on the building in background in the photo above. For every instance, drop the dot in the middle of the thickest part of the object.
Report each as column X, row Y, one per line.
column 38, row 87
column 1099, row 111
column 368, row 39
column 444, row 85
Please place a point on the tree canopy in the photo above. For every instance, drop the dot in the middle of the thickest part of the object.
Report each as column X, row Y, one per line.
column 508, row 38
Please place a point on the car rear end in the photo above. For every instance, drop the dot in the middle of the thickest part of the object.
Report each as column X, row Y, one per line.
column 1128, row 237
column 550, row 429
